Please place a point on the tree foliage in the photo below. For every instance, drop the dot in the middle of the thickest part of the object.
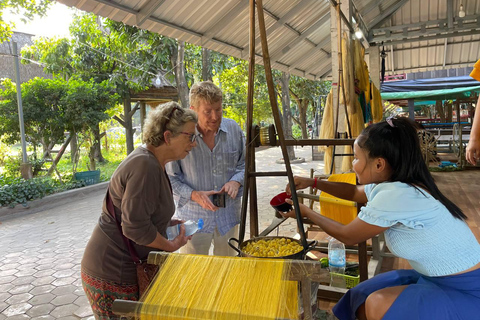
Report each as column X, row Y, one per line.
column 42, row 112
column 234, row 84
column 53, row 106
column 28, row 9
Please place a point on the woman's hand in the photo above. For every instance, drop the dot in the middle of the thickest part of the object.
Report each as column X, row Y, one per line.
column 472, row 153
column 300, row 183
column 292, row 214
column 181, row 239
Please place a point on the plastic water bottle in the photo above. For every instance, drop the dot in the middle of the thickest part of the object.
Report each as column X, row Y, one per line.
column 190, row 228
column 336, row 263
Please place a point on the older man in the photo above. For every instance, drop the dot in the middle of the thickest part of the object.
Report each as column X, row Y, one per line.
column 215, row 168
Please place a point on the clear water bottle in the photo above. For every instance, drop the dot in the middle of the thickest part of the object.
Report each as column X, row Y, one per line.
column 190, row 228
column 336, row 263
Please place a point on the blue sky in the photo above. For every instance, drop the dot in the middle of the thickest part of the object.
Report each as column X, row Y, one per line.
column 55, row 23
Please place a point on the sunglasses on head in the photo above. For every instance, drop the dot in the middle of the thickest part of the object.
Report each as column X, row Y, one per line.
column 170, row 115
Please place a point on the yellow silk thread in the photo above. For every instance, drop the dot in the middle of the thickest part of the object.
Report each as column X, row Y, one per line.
column 209, row 287
column 337, row 209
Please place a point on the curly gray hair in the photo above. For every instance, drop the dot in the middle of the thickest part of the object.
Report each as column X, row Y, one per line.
column 168, row 116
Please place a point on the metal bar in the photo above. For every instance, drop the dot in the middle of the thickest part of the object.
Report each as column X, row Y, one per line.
column 19, row 101
column 386, row 14
column 401, row 39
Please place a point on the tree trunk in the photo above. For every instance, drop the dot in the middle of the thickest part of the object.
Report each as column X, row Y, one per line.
column 303, row 106
column 73, row 146
column 182, row 85
column 287, row 112
column 206, row 65
column 127, row 107
column 449, row 112
column 91, row 152
column 97, row 150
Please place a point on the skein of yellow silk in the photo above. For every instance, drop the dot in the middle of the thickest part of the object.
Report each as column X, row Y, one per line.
column 210, row 287
column 326, row 132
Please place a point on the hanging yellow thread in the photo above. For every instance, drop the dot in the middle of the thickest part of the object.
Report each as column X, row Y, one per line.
column 327, row 132
column 337, row 209
column 209, row 287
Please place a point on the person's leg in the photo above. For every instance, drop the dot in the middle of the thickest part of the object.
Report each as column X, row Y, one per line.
column 101, row 294
column 351, row 304
column 200, row 244
column 220, row 243
column 378, row 303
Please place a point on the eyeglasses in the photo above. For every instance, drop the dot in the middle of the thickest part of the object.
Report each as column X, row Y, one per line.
column 193, row 136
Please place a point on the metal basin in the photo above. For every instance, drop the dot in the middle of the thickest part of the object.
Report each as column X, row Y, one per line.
column 241, row 253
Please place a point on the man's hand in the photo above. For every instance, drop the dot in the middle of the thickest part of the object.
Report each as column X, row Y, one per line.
column 202, row 198
column 231, row 188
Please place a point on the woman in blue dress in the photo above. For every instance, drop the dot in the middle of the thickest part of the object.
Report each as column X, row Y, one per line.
column 420, row 224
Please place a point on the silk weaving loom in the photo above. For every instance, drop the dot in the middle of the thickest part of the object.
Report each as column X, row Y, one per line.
column 210, row 287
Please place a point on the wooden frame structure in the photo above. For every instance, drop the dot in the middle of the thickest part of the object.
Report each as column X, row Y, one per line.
column 250, row 172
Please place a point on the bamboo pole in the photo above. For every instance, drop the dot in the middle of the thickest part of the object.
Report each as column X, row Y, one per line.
column 276, row 117
column 249, row 166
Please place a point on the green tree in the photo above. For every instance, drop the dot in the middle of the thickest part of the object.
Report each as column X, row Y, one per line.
column 43, row 114
column 28, row 9
column 101, row 49
column 52, row 107
column 305, row 92
column 234, row 82
column 85, row 106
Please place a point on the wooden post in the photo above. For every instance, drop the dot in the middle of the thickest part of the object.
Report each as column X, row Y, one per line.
column 278, row 123
column 249, row 159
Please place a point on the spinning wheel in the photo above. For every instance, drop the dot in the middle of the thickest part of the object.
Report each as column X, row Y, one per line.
column 428, row 144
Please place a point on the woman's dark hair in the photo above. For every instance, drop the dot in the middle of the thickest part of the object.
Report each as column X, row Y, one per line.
column 396, row 141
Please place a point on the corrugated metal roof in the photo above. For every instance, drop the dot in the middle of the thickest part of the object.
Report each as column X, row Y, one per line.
column 418, row 35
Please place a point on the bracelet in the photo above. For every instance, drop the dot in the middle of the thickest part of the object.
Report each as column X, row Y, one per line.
column 315, row 183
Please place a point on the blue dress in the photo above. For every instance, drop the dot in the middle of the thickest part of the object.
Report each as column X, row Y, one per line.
column 435, row 244
column 437, row 298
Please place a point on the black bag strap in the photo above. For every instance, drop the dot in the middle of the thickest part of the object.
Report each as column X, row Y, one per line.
column 128, row 242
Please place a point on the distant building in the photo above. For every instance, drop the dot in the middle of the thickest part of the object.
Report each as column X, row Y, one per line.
column 7, row 69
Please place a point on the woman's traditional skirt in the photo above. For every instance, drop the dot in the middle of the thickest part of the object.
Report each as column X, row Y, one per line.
column 101, row 294
column 440, row 298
